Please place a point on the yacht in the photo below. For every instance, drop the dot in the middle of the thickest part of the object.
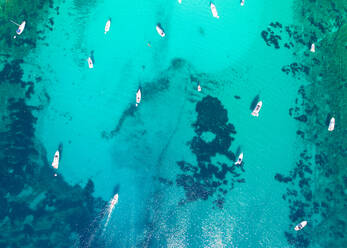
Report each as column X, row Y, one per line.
column 214, row 10
column 313, row 48
column 55, row 162
column 239, row 160
column 21, row 28
column 138, row 97
column 160, row 30
column 107, row 26
column 300, row 226
column 331, row 124
column 199, row 87
column 242, row 2
column 257, row 109
column 113, row 203
column 90, row 63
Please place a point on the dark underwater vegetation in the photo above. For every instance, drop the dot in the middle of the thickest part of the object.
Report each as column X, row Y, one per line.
column 36, row 208
column 315, row 185
column 205, row 179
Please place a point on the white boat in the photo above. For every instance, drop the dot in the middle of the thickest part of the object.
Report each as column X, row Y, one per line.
column 199, row 87
column 21, row 28
column 239, row 160
column 160, row 30
column 331, row 124
column 107, row 26
column 179, row 1
column 113, row 203
column 214, row 10
column 138, row 97
column 242, row 2
column 90, row 63
column 300, row 226
column 55, row 162
column 257, row 109
column 313, row 48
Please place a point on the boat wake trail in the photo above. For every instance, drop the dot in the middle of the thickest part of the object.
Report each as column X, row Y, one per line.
column 110, row 209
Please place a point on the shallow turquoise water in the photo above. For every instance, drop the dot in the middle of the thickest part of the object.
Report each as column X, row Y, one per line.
column 228, row 57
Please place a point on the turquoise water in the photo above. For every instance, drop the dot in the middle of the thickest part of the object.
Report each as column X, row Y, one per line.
column 91, row 113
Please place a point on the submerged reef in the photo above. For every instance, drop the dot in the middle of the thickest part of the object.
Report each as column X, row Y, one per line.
column 317, row 184
column 206, row 178
column 35, row 14
column 36, row 208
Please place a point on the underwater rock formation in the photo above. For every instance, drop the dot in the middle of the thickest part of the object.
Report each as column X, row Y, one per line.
column 38, row 209
column 33, row 12
column 205, row 179
column 296, row 69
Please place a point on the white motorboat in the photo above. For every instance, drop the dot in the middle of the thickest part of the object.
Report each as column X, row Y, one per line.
column 20, row 28
column 160, row 30
column 113, row 203
column 199, row 87
column 138, row 97
column 313, row 48
column 179, row 1
column 331, row 124
column 55, row 162
column 242, row 2
column 107, row 26
column 90, row 63
column 300, row 226
column 257, row 109
column 214, row 10
column 239, row 160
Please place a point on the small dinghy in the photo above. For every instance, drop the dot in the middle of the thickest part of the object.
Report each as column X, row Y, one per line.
column 313, row 48
column 90, row 63
column 138, row 97
column 239, row 160
column 107, row 26
column 242, row 2
column 257, row 109
column 214, row 10
column 300, row 226
column 331, row 124
column 160, row 30
column 55, row 162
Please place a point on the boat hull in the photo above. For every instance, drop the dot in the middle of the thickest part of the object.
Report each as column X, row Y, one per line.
column 300, row 226
column 55, row 163
column 21, row 28
column 90, row 63
column 257, row 109
column 160, row 31
column 138, row 97
column 331, row 124
column 214, row 11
